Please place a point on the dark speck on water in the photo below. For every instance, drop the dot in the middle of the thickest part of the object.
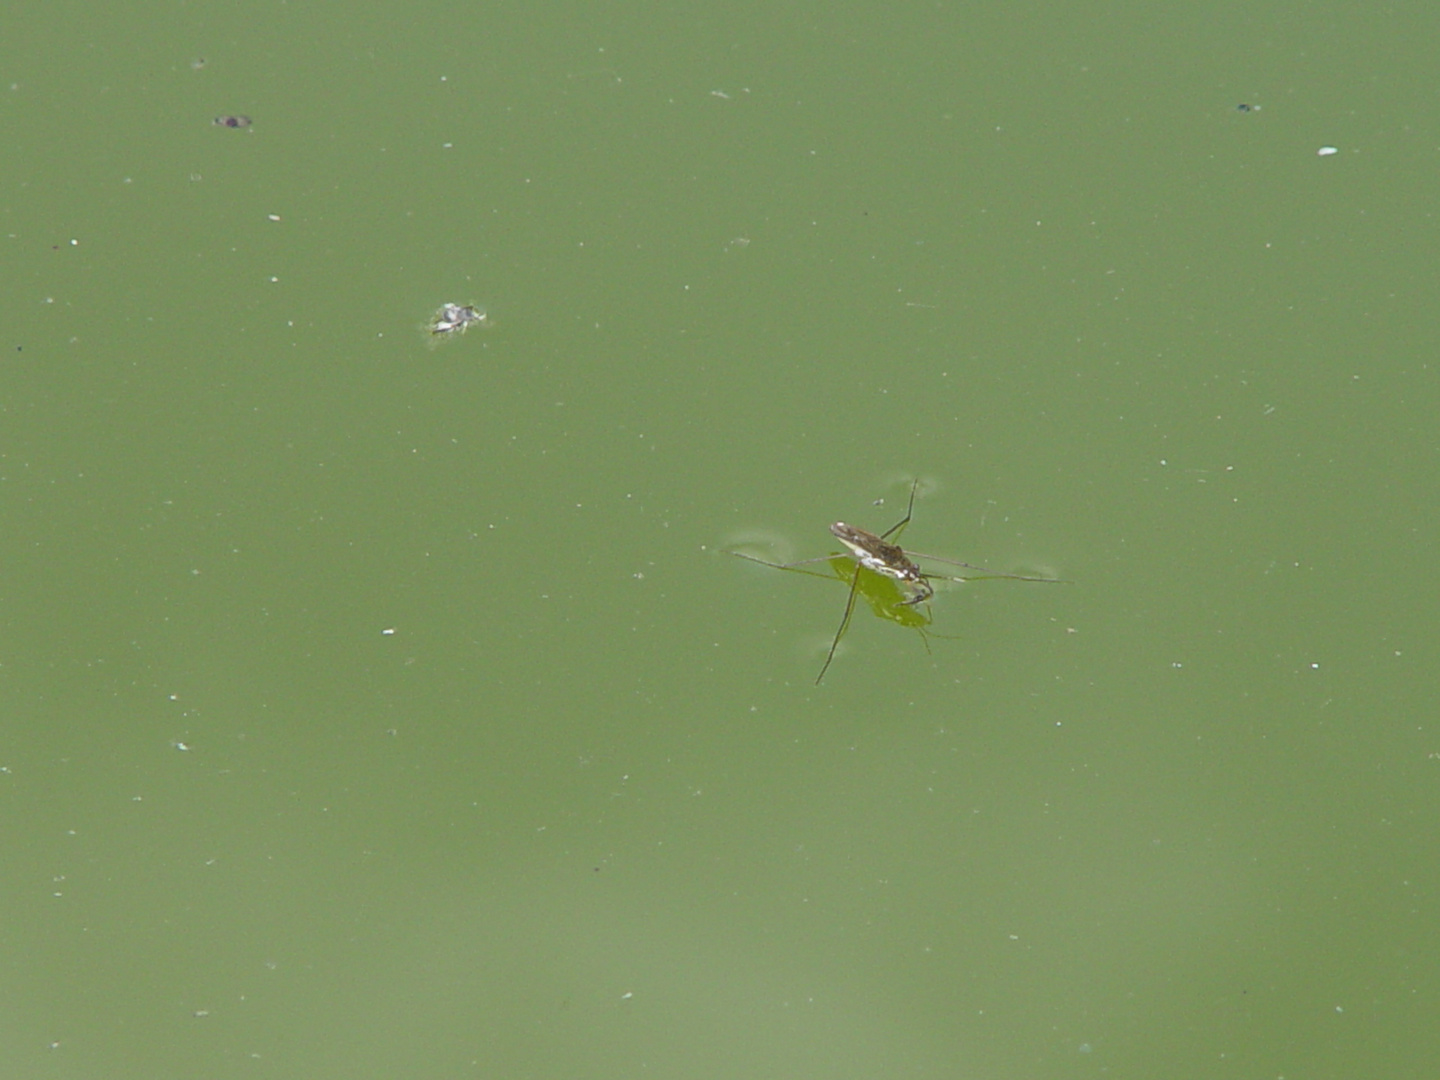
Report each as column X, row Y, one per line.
column 237, row 121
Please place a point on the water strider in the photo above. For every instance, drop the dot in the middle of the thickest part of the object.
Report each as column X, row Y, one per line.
column 878, row 554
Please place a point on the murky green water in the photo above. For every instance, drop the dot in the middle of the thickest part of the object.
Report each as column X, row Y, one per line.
column 372, row 708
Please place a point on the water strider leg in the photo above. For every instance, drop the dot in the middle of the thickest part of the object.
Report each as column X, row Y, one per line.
column 984, row 570
column 844, row 622
column 909, row 510
column 781, row 565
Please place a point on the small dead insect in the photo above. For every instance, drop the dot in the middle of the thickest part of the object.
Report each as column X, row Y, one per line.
column 456, row 317
column 880, row 555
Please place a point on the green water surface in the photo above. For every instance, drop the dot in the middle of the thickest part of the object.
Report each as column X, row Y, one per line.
column 370, row 708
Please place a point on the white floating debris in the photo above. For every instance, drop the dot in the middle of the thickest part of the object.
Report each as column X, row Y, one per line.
column 1326, row 151
column 453, row 317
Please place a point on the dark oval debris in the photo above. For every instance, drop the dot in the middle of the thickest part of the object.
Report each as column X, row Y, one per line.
column 239, row 120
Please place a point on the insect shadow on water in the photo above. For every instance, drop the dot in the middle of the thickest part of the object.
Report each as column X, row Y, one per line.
column 882, row 556
column 886, row 596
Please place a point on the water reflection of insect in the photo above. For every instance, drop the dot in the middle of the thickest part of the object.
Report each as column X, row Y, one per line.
column 456, row 317
column 882, row 557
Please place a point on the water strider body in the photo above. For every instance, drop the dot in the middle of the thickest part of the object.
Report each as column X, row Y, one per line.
column 878, row 554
